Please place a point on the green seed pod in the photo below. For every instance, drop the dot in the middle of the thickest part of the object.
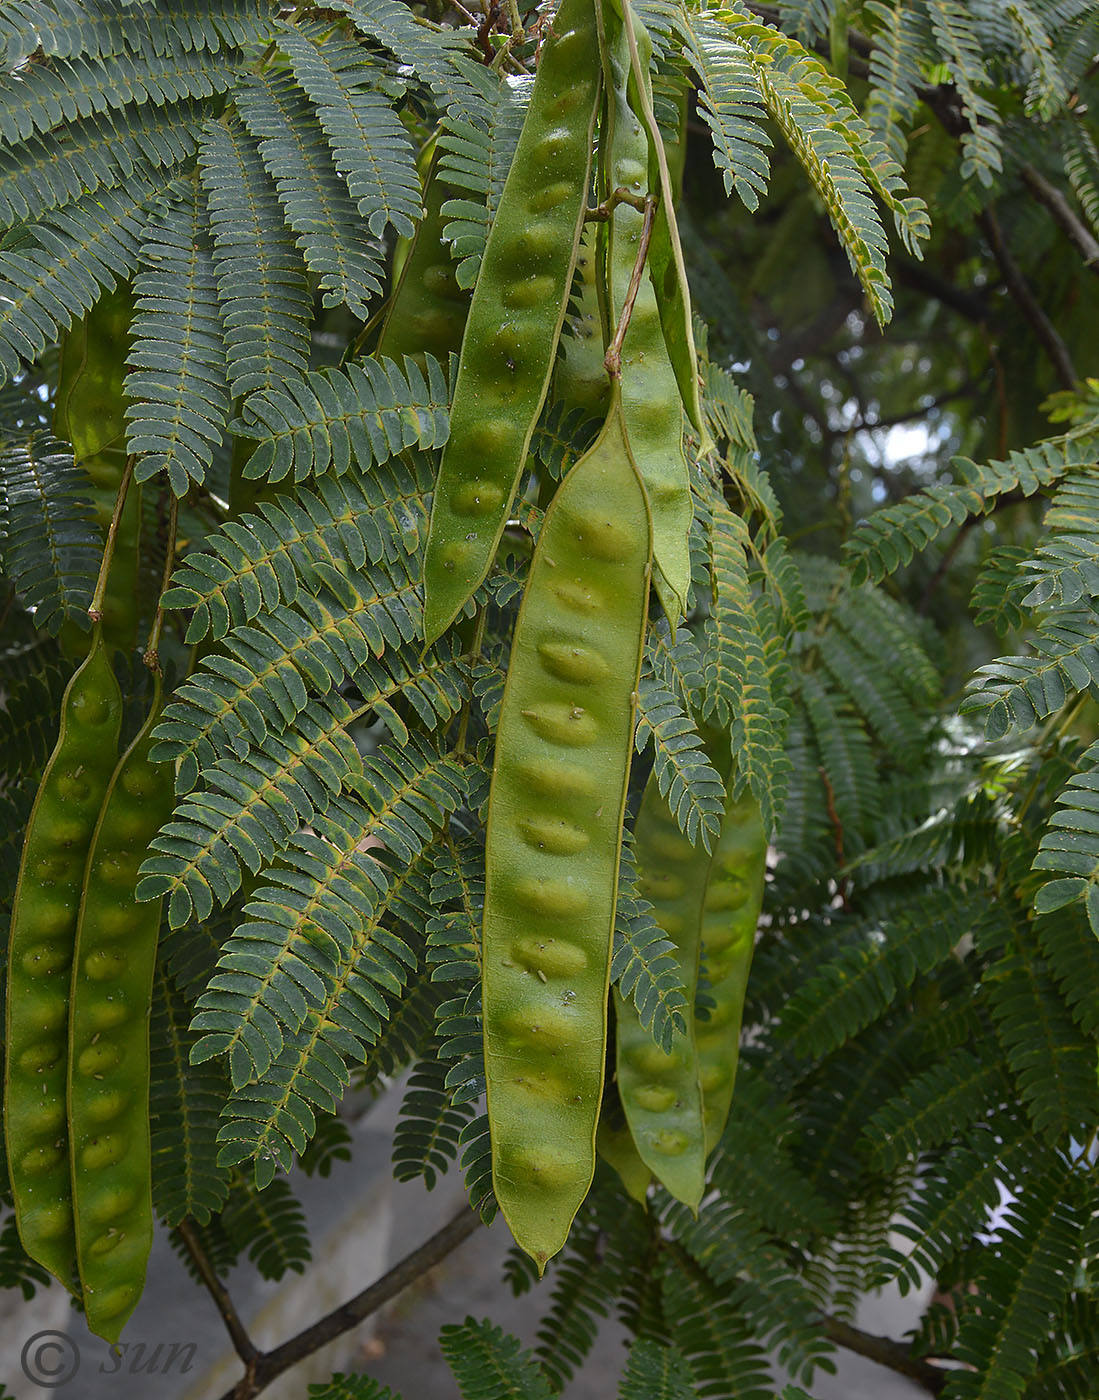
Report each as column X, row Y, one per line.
column 91, row 414
column 108, row 1078
column 427, row 311
column 666, row 265
column 515, row 316
column 660, row 1091
column 616, row 1146
column 650, row 395
column 43, row 929
column 555, row 820
column 730, row 913
column 581, row 379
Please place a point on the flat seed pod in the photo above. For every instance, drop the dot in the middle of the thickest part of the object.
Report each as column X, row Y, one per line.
column 515, row 317
column 40, row 950
column 563, row 751
column 108, row 1062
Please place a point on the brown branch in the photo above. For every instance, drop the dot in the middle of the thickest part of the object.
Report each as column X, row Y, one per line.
column 920, row 278
column 245, row 1348
column 1027, row 302
column 1074, row 228
column 266, row 1367
column 886, row 1352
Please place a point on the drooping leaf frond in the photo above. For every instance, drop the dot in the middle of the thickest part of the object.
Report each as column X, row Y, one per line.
column 185, row 1101
column 364, row 413
column 177, row 388
column 257, row 561
column 39, row 97
column 51, row 546
column 1024, row 1277
column 890, row 538
column 655, row 1372
column 643, row 964
column 958, row 44
column 53, row 278
column 50, row 171
column 740, row 689
column 265, row 677
column 314, row 197
column 476, row 144
column 687, row 780
column 490, row 1365
column 369, row 145
column 261, row 282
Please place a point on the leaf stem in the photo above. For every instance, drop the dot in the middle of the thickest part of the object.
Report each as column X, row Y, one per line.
column 151, row 656
column 612, row 361
column 95, row 607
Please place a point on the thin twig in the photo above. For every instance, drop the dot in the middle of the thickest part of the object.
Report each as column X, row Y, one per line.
column 95, row 607
column 886, row 1352
column 612, row 361
column 1077, row 232
column 598, row 213
column 266, row 1367
column 151, row 657
column 242, row 1343
column 1027, row 302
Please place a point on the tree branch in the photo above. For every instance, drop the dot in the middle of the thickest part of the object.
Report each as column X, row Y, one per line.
column 886, row 1352
column 920, row 278
column 1078, row 233
column 1027, row 302
column 266, row 1367
column 242, row 1343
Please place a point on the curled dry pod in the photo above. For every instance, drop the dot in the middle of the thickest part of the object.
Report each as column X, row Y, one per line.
column 660, row 1089
column 730, row 913
column 40, row 950
column 108, row 1079
column 563, row 750
column 515, row 317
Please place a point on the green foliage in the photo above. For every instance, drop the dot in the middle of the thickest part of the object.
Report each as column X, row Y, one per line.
column 179, row 400
column 490, row 1365
column 50, row 547
column 916, row 1090
column 342, row 1387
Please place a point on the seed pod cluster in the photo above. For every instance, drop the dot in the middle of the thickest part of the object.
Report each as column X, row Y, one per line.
column 555, row 819
column 40, row 952
column 515, row 316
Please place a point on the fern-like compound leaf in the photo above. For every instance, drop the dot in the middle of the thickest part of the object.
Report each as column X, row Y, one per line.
column 318, row 206
column 51, row 547
column 476, row 144
column 488, row 1364
column 364, row 413
column 262, row 287
column 369, row 145
column 177, row 388
column 185, row 1101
